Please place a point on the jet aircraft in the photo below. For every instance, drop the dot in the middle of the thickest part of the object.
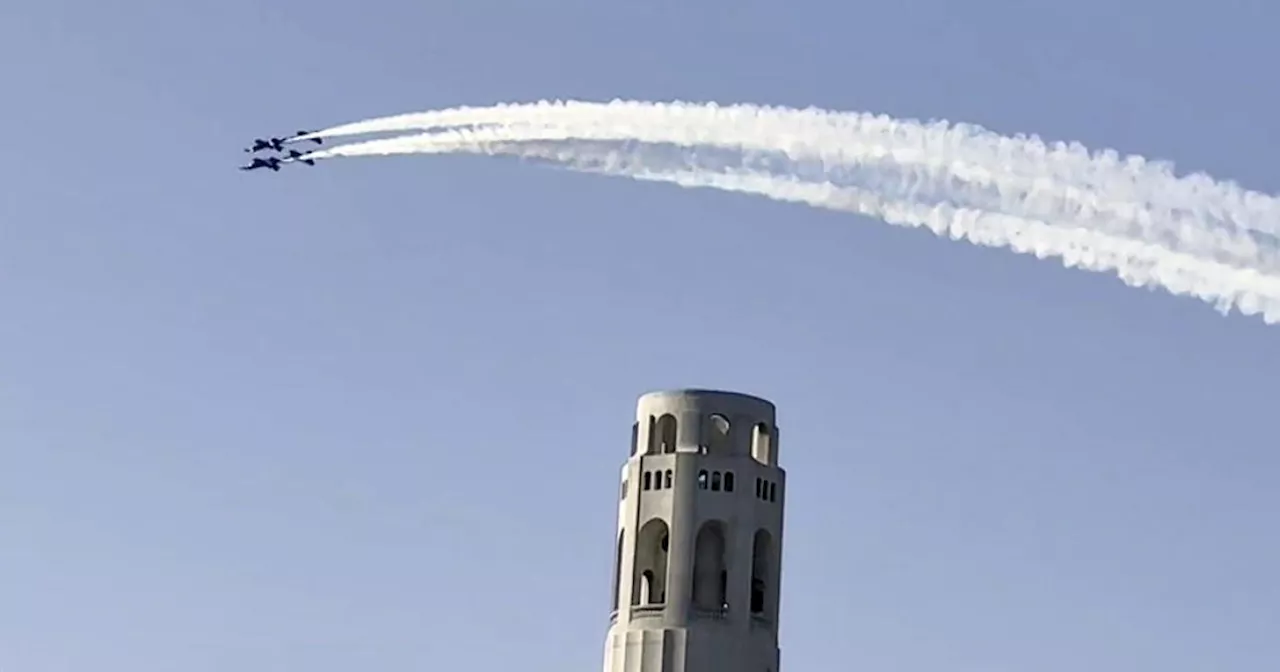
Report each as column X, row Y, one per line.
column 318, row 141
column 260, row 144
column 295, row 155
column 272, row 163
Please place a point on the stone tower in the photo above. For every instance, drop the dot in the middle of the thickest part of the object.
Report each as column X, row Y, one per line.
column 699, row 544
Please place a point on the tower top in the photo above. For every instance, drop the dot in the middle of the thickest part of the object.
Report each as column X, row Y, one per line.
column 707, row 421
column 707, row 401
column 717, row 396
column 697, row 572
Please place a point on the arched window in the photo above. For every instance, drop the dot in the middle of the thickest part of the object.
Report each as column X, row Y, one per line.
column 665, row 439
column 715, row 481
column 761, row 444
column 759, row 487
column 650, row 577
column 709, row 567
column 624, row 489
column 761, row 550
column 635, row 438
column 773, row 492
column 702, row 479
column 666, row 478
column 728, row 481
column 648, row 481
column 617, row 569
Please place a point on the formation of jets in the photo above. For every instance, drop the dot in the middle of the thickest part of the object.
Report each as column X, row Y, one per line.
column 277, row 144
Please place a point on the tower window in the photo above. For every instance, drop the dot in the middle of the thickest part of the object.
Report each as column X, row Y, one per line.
column 702, row 479
column 665, row 441
column 716, row 436
column 624, row 490
column 617, row 569
column 761, row 573
column 650, row 593
column 773, row 492
column 709, row 567
column 667, row 479
column 762, row 444
column 715, row 481
column 648, row 481
column 728, row 481
column 649, row 580
column 759, row 488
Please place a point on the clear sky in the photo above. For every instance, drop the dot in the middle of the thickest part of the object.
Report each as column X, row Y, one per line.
column 369, row 416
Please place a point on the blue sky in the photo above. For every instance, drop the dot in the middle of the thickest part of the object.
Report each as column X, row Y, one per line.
column 370, row 415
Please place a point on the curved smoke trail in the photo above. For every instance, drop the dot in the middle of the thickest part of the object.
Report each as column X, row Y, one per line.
column 1189, row 235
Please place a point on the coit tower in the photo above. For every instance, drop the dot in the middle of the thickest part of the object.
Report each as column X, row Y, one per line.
column 696, row 578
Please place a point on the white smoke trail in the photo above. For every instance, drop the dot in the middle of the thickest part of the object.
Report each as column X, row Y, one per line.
column 1137, row 263
column 1191, row 236
column 1034, row 196
column 847, row 136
